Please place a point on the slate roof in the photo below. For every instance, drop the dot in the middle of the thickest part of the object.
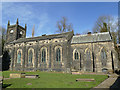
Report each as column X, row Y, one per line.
column 96, row 37
column 66, row 35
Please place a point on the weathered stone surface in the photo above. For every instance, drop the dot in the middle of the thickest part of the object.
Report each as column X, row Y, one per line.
column 67, row 44
column 15, row 75
column 29, row 83
column 88, row 80
column 76, row 73
column 31, row 76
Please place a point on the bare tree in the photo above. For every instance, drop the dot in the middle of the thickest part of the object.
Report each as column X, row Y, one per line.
column 2, row 37
column 119, row 30
column 105, row 24
column 63, row 26
column 33, row 30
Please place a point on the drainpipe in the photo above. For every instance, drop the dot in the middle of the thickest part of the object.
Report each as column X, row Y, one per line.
column 93, row 59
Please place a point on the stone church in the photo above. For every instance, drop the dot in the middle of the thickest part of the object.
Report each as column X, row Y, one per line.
column 60, row 52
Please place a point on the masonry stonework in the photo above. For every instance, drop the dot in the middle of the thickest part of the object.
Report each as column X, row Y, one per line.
column 60, row 52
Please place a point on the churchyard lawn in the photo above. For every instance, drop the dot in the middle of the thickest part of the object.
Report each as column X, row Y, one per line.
column 51, row 80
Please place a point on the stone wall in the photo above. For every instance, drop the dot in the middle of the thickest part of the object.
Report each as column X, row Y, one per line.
column 95, row 50
column 67, row 61
column 36, row 47
column 119, row 57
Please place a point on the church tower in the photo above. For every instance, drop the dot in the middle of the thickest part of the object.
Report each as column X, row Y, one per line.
column 15, row 32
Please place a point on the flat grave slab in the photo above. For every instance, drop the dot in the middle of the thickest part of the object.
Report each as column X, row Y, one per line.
column 31, row 76
column 17, row 75
column 88, row 80
column 75, row 73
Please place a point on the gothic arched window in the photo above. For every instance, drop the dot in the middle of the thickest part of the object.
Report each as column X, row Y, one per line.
column 30, row 56
column 103, row 57
column 58, row 54
column 19, row 57
column 76, row 56
column 88, row 61
column 43, row 55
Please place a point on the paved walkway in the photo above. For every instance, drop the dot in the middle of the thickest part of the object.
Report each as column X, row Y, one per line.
column 109, row 84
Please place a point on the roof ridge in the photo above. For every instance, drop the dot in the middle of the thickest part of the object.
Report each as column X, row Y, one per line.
column 61, row 35
column 92, row 34
column 97, row 37
column 51, row 35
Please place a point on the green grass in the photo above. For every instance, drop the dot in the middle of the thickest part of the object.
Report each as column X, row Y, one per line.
column 51, row 80
column 0, row 73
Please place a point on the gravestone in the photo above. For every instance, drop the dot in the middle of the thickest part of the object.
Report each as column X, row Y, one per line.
column 76, row 73
column 22, row 75
column 87, row 80
column 17, row 75
column 31, row 76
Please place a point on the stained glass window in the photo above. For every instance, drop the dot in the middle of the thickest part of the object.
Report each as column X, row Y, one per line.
column 30, row 56
column 19, row 57
column 43, row 55
column 58, row 54
column 76, row 56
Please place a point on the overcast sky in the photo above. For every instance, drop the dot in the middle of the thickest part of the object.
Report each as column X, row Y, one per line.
column 44, row 15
